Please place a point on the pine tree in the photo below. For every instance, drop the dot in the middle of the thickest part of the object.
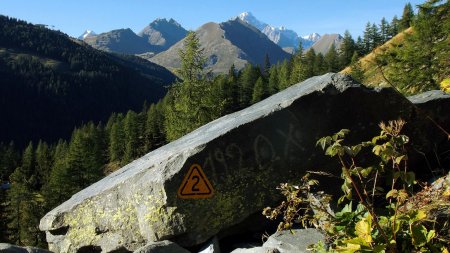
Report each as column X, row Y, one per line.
column 319, row 65
column 284, row 74
column 43, row 162
column 346, row 49
column 18, row 195
column 234, row 90
column 375, row 37
column 25, row 207
column 132, row 135
column 331, row 60
column 367, row 39
column 407, row 17
column 360, row 46
column 190, row 103
column 260, row 90
column 273, row 79
column 116, row 147
column 298, row 66
column 55, row 191
column 310, row 63
column 266, row 66
column 247, row 79
column 394, row 27
column 356, row 71
column 384, row 30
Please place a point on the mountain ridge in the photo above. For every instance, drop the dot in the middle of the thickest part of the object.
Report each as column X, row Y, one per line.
column 281, row 36
column 227, row 43
column 156, row 37
column 54, row 83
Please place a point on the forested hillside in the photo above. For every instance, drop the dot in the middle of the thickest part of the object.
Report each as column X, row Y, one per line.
column 417, row 59
column 50, row 83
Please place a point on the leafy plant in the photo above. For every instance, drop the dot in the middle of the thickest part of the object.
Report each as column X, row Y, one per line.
column 297, row 206
column 377, row 223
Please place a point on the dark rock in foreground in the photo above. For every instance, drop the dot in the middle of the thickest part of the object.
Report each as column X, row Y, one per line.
column 9, row 248
column 216, row 176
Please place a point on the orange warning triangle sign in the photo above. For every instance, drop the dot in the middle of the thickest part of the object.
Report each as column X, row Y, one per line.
column 195, row 185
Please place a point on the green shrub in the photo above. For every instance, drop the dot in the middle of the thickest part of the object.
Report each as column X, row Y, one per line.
column 377, row 223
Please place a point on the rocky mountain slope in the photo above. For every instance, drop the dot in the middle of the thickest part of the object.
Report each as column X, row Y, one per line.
column 158, row 36
column 120, row 41
column 163, row 33
column 324, row 43
column 285, row 38
column 232, row 42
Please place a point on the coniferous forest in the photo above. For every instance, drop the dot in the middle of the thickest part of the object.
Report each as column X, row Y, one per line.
column 46, row 167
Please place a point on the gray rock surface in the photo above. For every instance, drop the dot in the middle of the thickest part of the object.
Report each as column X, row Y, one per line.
column 296, row 241
column 161, row 247
column 9, row 248
column 245, row 155
column 212, row 246
column 429, row 96
column 256, row 250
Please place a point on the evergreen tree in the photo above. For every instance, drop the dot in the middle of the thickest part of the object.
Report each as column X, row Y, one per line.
column 394, row 26
column 260, row 90
column 360, row 46
column 25, row 207
column 407, row 17
column 132, row 135
column 116, row 147
column 375, row 37
column 367, row 39
column 298, row 66
column 319, row 65
column 43, row 162
column 191, row 102
column 346, row 49
column 284, row 74
column 55, row 190
column 310, row 64
column 266, row 66
column 273, row 79
column 356, row 71
column 384, row 30
column 234, row 91
column 331, row 60
column 247, row 79
column 18, row 195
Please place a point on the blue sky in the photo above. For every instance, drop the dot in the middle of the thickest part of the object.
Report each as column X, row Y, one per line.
column 304, row 17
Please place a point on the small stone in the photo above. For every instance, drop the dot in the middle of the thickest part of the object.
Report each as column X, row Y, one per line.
column 161, row 247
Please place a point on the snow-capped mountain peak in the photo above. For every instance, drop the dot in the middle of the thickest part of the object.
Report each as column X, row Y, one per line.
column 282, row 36
column 312, row 37
column 86, row 34
column 251, row 20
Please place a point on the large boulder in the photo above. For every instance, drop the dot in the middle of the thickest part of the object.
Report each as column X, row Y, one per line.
column 213, row 178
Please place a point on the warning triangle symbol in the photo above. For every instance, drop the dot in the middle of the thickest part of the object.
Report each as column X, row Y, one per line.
column 195, row 185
